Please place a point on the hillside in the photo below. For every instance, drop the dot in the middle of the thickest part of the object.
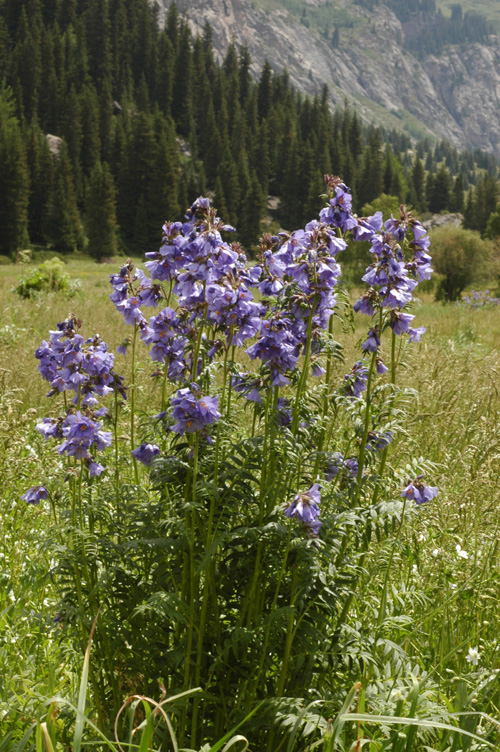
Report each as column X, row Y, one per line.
column 374, row 57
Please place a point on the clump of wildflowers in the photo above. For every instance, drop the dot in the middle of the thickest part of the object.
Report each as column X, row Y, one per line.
column 71, row 363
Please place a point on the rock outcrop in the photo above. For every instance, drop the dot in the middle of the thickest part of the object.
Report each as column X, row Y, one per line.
column 455, row 95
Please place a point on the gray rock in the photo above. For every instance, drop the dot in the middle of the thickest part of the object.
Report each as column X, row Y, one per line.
column 54, row 143
column 443, row 220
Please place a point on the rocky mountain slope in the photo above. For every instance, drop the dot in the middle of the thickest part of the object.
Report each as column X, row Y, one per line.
column 453, row 95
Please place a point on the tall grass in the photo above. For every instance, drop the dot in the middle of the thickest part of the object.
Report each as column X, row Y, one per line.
column 425, row 597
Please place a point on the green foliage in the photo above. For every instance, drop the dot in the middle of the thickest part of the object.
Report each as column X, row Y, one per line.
column 385, row 203
column 462, row 257
column 437, row 602
column 493, row 226
column 48, row 277
column 14, row 181
column 100, row 214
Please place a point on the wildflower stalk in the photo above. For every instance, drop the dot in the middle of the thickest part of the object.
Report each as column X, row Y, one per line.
column 192, row 586
column 361, row 458
column 132, row 406
column 304, row 373
column 263, row 652
column 289, row 635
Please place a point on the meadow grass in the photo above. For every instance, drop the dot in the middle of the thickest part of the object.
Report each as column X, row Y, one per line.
column 433, row 592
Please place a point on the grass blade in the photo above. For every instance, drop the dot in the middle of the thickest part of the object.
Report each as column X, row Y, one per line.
column 82, row 696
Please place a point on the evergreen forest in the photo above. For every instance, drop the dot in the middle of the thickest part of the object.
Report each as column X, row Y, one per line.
column 109, row 124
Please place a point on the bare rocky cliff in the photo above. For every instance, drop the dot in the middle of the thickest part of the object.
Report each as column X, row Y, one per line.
column 455, row 95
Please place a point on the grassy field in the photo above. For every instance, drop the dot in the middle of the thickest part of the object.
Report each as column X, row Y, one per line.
column 441, row 583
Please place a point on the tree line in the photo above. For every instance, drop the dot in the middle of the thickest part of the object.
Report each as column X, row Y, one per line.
column 146, row 119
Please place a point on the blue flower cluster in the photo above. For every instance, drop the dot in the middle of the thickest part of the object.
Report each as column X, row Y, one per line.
column 305, row 507
column 193, row 411
column 390, row 277
column 71, row 363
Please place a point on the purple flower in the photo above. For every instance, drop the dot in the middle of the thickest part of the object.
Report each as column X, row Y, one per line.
column 82, row 434
column 415, row 334
column 192, row 411
column 146, row 453
column 35, row 494
column 372, row 342
column 380, row 366
column 418, row 492
column 379, row 441
column 95, row 469
column 305, row 507
column 400, row 322
column 368, row 227
column 339, row 213
column 355, row 381
column 249, row 385
column 367, row 303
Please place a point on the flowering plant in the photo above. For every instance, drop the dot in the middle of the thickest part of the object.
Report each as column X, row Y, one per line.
column 224, row 547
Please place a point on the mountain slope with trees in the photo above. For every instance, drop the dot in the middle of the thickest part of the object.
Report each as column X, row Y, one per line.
column 143, row 118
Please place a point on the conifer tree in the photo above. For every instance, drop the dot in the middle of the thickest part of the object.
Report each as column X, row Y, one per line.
column 41, row 167
column 62, row 226
column 264, row 98
column 457, row 196
column 100, row 213
column 182, row 95
column 14, row 179
column 439, row 196
column 418, row 180
column 253, row 205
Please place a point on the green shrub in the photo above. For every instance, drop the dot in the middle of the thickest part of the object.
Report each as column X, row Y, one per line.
column 462, row 258
column 48, row 277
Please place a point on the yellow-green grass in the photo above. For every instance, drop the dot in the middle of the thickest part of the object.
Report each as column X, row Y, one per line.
column 453, row 420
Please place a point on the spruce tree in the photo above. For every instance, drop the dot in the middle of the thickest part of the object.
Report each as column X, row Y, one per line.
column 251, row 211
column 62, row 226
column 14, row 179
column 457, row 196
column 100, row 213
column 264, row 98
column 418, row 180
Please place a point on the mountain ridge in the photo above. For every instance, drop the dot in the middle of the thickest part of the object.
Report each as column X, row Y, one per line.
column 454, row 95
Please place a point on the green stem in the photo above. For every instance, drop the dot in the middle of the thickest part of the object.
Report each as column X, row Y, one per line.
column 132, row 406
column 303, row 375
column 192, row 590
column 289, row 636
column 164, row 387
column 393, row 359
column 361, row 458
column 194, row 367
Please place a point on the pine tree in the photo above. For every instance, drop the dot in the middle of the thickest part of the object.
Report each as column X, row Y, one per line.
column 100, row 214
column 14, row 179
column 439, row 196
column 251, row 211
column 418, row 179
column 182, row 95
column 62, row 226
column 355, row 138
column 264, row 98
column 41, row 168
column 457, row 196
